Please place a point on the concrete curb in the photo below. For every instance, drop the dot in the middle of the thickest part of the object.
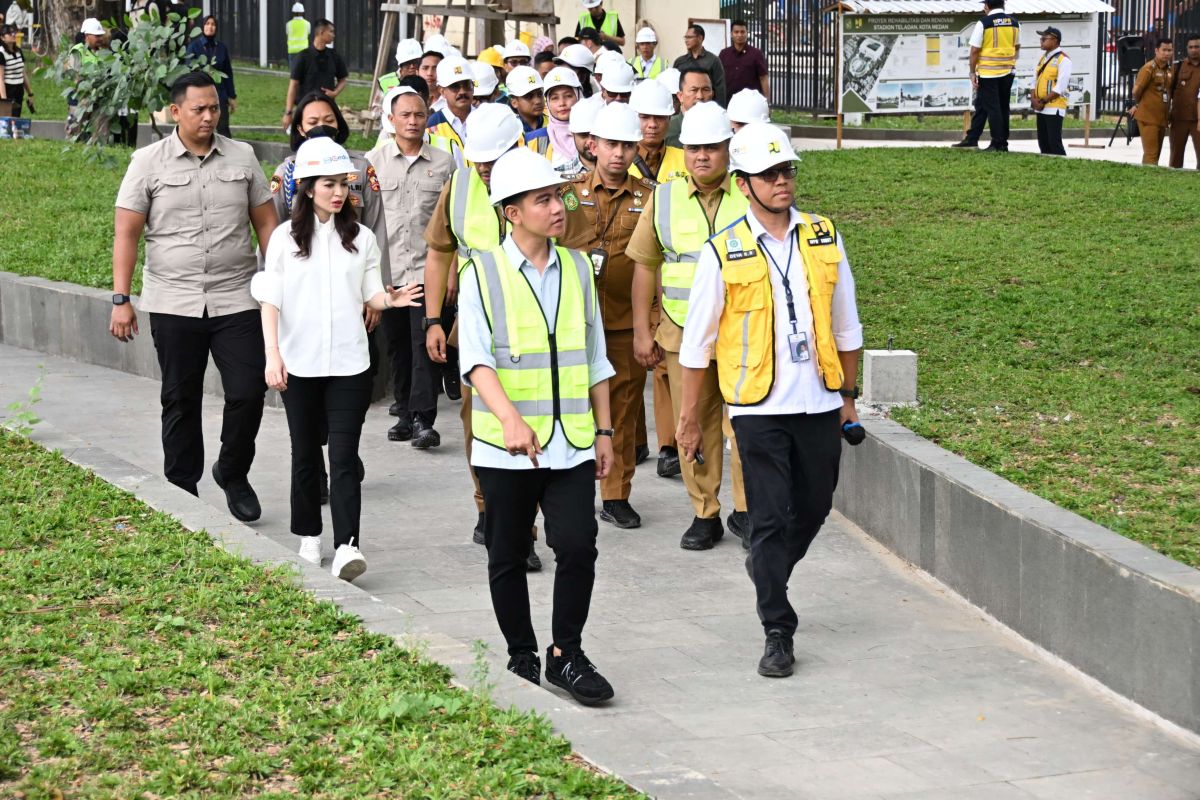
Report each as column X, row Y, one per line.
column 1099, row 132
column 1115, row 609
column 585, row 729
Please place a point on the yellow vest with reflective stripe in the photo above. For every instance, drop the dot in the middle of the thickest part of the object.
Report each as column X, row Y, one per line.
column 683, row 228
column 472, row 216
column 544, row 373
column 745, row 350
column 673, row 166
column 444, row 137
column 998, row 54
column 1047, row 76
column 297, row 34
column 608, row 26
column 657, row 65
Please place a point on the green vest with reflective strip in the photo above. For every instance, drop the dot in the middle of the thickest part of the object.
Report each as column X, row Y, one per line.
column 544, row 373
column 656, row 67
column 473, row 219
column 297, row 34
column 683, row 228
column 607, row 27
column 388, row 81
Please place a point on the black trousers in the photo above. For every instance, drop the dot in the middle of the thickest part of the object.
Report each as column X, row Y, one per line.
column 397, row 329
column 335, row 406
column 183, row 345
column 417, row 389
column 223, row 121
column 992, row 106
column 16, row 93
column 790, row 465
column 1049, row 131
column 568, row 501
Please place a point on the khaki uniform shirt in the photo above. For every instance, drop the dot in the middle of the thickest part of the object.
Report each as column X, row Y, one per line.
column 198, row 252
column 410, row 194
column 438, row 233
column 1152, row 84
column 1183, row 100
column 598, row 217
column 645, row 248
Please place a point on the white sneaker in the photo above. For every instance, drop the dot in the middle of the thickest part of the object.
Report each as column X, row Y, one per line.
column 348, row 563
column 310, row 549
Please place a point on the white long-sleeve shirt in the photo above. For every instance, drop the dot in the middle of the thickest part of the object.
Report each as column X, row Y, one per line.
column 320, row 299
column 798, row 388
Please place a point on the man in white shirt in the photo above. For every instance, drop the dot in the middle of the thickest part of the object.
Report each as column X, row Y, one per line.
column 1049, row 98
column 995, row 47
column 773, row 303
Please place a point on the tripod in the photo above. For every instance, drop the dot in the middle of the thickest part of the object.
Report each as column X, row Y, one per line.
column 1128, row 128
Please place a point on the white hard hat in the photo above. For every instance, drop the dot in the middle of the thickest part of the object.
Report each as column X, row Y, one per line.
column 759, row 146
column 617, row 122
column 523, row 80
column 492, row 130
column 452, row 70
column 386, row 109
column 607, row 60
column 92, row 27
column 485, row 78
column 669, row 78
column 436, row 43
column 450, row 51
column 577, row 55
column 749, row 105
column 583, row 114
column 519, row 171
column 408, row 50
column 515, row 49
column 651, row 97
column 297, row 8
column 560, row 76
column 617, row 78
column 646, row 36
column 705, row 123
column 321, row 156
column 591, row 3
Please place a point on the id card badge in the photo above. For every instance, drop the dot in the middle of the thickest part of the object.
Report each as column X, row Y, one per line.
column 798, row 347
column 599, row 258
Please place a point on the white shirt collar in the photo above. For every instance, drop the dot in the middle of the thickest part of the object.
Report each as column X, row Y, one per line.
column 518, row 259
column 758, row 230
column 993, row 12
column 323, row 228
column 1052, row 53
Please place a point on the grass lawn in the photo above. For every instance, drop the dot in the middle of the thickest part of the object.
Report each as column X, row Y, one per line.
column 137, row 659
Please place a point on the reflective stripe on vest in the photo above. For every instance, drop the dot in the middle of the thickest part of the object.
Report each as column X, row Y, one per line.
column 998, row 55
column 673, row 166
column 445, row 138
column 297, row 34
column 473, row 218
column 1047, row 76
column 745, row 349
column 683, row 228
column 657, row 65
column 544, row 374
column 608, row 26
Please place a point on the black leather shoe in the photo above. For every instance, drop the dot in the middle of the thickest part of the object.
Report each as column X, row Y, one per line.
column 424, row 436
column 620, row 513
column 994, row 149
column 641, row 453
column 527, row 666
column 966, row 144
column 477, row 534
column 578, row 675
column 739, row 525
column 777, row 659
column 398, row 410
column 703, row 534
column 668, row 462
column 452, row 385
column 532, row 562
column 240, row 496
column 402, row 431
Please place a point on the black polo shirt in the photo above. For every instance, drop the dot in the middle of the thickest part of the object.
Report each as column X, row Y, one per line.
column 318, row 69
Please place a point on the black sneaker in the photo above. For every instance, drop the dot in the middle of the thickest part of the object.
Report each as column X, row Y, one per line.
column 576, row 673
column 424, row 436
column 402, row 431
column 452, row 385
column 398, row 410
column 239, row 496
column 527, row 666
column 703, row 534
column 966, row 144
column 641, row 453
column 477, row 535
column 739, row 525
column 532, row 562
column 620, row 513
column 777, row 659
column 668, row 462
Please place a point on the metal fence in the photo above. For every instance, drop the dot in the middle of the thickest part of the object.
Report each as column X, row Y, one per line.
column 1150, row 19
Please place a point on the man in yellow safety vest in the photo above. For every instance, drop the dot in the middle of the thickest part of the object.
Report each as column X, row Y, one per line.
column 297, row 29
column 605, row 22
column 995, row 46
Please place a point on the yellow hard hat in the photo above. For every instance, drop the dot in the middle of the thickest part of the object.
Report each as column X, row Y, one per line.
column 491, row 56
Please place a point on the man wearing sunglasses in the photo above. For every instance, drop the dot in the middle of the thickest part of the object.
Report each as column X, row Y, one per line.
column 772, row 302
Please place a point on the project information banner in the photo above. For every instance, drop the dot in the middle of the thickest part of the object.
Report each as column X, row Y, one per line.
column 909, row 63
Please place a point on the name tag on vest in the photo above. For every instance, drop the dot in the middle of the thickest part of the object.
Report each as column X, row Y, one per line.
column 734, row 251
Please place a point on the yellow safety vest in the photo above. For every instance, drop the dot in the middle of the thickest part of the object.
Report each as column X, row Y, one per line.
column 656, row 66
column 1047, row 76
column 608, row 26
column 297, row 34
column 544, row 373
column 473, row 219
column 673, row 166
column 998, row 55
column 683, row 228
column 745, row 351
column 444, row 137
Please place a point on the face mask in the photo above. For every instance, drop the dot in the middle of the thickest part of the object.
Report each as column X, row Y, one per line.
column 318, row 131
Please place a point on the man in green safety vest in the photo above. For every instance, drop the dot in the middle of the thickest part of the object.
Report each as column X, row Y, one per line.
column 297, row 29
column 606, row 22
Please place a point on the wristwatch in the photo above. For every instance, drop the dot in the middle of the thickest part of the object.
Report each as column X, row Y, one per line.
column 853, row 394
column 604, row 432
column 120, row 299
column 428, row 322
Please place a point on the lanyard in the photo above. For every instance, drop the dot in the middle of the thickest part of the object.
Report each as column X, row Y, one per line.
column 783, row 275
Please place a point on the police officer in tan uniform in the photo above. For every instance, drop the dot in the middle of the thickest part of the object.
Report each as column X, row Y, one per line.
column 1152, row 99
column 603, row 208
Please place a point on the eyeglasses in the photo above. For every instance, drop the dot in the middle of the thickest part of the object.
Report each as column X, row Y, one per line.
column 517, row 61
column 771, row 175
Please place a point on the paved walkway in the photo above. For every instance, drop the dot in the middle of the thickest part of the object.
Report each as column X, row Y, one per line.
column 902, row 690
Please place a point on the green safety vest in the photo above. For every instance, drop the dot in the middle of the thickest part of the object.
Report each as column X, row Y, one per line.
column 388, row 81
column 683, row 228
column 473, row 219
column 608, row 26
column 656, row 67
column 297, row 35
column 544, row 373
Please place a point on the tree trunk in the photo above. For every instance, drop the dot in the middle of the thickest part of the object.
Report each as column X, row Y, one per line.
column 63, row 17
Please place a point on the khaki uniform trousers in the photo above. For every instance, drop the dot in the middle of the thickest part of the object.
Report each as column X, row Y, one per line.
column 1152, row 141
column 1181, row 131
column 664, row 414
column 703, row 481
column 464, row 413
column 626, row 393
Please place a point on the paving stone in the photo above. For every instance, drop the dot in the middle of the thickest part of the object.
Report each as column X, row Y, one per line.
column 1120, row 782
